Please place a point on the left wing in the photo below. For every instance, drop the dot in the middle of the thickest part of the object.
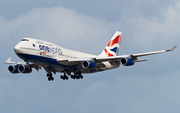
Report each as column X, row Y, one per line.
column 103, row 59
column 134, row 56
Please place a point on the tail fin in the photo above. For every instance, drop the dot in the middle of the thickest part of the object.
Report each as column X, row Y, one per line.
column 113, row 46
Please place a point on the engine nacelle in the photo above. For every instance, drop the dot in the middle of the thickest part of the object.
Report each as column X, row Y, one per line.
column 127, row 61
column 24, row 69
column 13, row 69
column 88, row 64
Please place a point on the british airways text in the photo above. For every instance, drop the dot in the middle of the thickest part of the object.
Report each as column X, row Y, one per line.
column 50, row 49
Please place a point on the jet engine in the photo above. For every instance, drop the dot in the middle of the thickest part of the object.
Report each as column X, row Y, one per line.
column 24, row 69
column 127, row 62
column 88, row 64
column 13, row 69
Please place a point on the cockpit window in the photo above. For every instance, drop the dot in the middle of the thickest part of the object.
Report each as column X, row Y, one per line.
column 24, row 40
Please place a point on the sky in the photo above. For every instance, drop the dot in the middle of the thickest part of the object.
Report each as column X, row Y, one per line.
column 87, row 26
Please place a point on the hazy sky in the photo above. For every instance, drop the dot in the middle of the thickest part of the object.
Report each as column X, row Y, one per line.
column 87, row 26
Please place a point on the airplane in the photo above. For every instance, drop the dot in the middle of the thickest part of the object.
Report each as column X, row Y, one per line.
column 40, row 54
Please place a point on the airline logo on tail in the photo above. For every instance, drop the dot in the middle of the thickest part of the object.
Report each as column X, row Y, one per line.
column 113, row 46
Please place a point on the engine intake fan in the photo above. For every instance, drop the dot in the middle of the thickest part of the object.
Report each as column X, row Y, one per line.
column 127, row 62
column 24, row 69
column 88, row 64
column 13, row 69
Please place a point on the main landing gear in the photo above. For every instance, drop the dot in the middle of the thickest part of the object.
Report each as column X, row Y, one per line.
column 77, row 75
column 49, row 75
column 64, row 77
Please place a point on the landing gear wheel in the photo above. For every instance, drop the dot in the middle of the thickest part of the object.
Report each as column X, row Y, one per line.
column 61, row 77
column 52, row 78
column 77, row 77
column 48, row 75
column 66, row 77
column 49, row 79
column 81, row 76
column 73, row 76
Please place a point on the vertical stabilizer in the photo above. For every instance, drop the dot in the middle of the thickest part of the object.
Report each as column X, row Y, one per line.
column 113, row 46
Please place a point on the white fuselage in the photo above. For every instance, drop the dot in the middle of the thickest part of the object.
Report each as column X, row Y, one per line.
column 35, row 47
column 42, row 53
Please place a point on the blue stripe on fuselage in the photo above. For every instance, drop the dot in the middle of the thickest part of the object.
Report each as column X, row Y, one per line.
column 51, row 63
column 44, row 61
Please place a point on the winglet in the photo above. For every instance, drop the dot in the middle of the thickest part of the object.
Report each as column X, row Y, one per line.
column 172, row 48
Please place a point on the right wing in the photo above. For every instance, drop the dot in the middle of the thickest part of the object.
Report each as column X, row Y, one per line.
column 10, row 62
column 37, row 67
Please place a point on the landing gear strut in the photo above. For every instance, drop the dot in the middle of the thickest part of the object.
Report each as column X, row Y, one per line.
column 49, row 75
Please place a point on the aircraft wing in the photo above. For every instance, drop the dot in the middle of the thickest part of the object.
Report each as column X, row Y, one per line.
column 155, row 52
column 10, row 62
column 37, row 67
column 134, row 56
column 103, row 59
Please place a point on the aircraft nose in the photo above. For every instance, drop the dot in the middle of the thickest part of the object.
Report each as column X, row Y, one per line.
column 17, row 49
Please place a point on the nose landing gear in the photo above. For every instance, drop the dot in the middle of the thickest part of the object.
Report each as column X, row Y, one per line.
column 49, row 75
